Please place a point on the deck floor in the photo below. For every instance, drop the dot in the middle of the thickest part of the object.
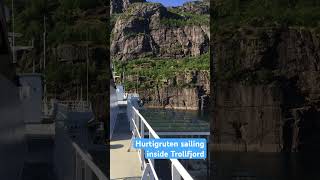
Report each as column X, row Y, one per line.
column 124, row 165
column 39, row 160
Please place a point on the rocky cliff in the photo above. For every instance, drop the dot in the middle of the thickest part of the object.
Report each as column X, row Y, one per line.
column 188, row 91
column 119, row 6
column 196, row 7
column 267, row 89
column 78, row 53
column 152, row 31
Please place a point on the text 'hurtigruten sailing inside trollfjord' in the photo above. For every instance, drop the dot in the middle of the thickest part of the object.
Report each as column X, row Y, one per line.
column 171, row 148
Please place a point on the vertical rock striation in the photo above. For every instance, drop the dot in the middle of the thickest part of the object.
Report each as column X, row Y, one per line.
column 267, row 89
column 141, row 32
column 150, row 30
column 119, row 6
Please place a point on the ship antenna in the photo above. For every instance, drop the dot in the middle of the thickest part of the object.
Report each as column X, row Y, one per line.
column 44, row 57
column 13, row 38
column 87, row 66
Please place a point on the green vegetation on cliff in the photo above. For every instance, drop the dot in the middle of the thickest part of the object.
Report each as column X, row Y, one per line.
column 71, row 22
column 66, row 21
column 186, row 19
column 247, row 31
column 155, row 71
column 170, row 39
column 265, row 12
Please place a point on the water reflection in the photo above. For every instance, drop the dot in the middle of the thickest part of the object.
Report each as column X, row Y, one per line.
column 176, row 120
column 169, row 120
column 240, row 165
column 264, row 166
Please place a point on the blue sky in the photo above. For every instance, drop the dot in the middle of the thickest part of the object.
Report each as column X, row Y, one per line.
column 170, row 2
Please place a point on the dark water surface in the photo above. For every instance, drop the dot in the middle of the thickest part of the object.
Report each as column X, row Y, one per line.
column 265, row 166
column 176, row 120
column 235, row 165
column 168, row 120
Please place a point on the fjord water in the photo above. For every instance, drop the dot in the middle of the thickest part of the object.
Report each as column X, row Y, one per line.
column 236, row 165
column 169, row 120
column 264, row 166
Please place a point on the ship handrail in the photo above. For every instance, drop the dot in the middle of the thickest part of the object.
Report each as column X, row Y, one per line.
column 87, row 161
column 72, row 161
column 80, row 106
column 177, row 170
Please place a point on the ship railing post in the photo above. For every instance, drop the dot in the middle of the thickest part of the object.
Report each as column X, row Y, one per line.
column 147, row 173
column 87, row 173
column 132, row 129
column 75, row 166
column 132, row 116
column 142, row 130
column 142, row 151
column 129, row 115
column 137, row 121
column 174, row 173
column 78, row 166
column 150, row 137
column 134, row 120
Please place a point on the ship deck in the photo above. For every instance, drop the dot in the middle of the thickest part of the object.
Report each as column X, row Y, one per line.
column 39, row 160
column 123, row 164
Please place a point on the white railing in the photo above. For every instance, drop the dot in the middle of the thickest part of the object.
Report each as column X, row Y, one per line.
column 137, row 126
column 72, row 163
column 85, row 168
column 70, row 160
column 132, row 95
column 77, row 106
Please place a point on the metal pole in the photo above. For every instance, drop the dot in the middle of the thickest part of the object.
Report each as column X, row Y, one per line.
column 33, row 62
column 33, row 66
column 77, row 92
column 44, row 58
column 81, row 93
column 13, row 35
column 174, row 173
column 44, row 42
column 137, row 84
column 87, row 72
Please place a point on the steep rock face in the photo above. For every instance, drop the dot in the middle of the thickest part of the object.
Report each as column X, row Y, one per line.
column 184, row 91
column 74, row 52
column 287, row 53
column 119, row 6
column 247, row 118
column 139, row 32
column 196, row 7
column 151, row 30
column 273, row 75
